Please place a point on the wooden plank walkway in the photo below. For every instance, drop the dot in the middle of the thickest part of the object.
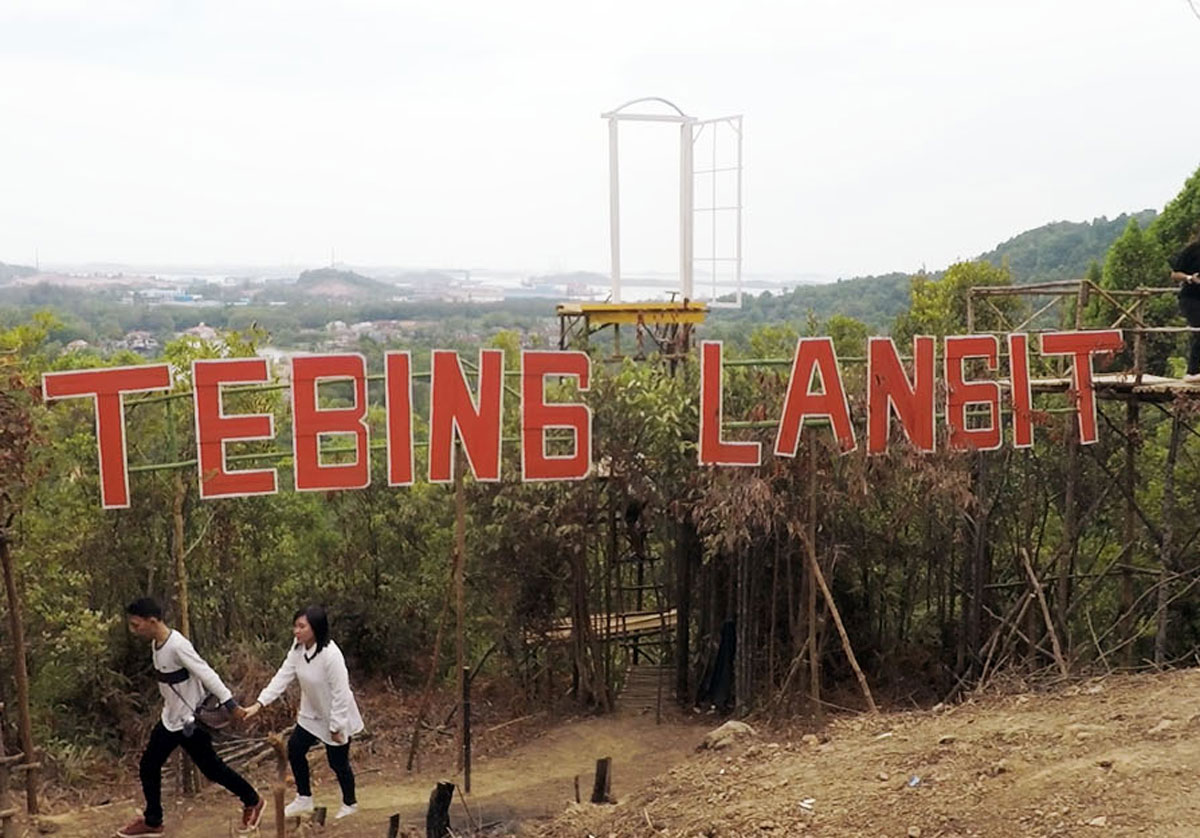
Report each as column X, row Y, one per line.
column 615, row 626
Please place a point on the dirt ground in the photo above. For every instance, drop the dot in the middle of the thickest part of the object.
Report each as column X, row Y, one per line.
column 1112, row 757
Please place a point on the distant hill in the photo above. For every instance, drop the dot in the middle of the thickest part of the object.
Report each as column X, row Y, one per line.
column 1055, row 251
column 11, row 272
column 577, row 277
column 330, row 283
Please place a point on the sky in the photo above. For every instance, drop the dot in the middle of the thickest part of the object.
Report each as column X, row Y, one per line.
column 877, row 136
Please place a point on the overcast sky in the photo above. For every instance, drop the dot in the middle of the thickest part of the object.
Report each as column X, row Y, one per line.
column 878, row 136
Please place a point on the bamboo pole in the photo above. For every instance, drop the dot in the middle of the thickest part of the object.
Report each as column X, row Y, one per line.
column 814, row 648
column 1129, row 529
column 427, row 693
column 8, row 828
column 460, row 556
column 187, row 772
column 1167, row 546
column 1037, row 590
column 29, row 762
column 837, row 621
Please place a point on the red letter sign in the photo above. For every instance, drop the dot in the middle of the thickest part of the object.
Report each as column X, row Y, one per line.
column 1022, row 391
column 397, row 396
column 453, row 409
column 310, row 423
column 214, row 429
column 1082, row 346
column 960, row 393
column 713, row 450
column 814, row 355
column 537, row 417
column 888, row 388
column 107, row 387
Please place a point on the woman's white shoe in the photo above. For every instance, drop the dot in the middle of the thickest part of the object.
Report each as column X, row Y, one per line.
column 298, row 806
column 345, row 811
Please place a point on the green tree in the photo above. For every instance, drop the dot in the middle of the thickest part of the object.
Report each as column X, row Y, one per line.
column 1179, row 221
column 939, row 306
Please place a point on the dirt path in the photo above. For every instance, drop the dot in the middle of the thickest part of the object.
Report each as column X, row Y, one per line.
column 536, row 780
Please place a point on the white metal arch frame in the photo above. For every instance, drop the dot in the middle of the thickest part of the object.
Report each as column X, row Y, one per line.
column 688, row 134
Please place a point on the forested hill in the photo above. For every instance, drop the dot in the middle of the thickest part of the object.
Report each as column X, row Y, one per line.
column 8, row 272
column 1062, row 249
column 1059, row 250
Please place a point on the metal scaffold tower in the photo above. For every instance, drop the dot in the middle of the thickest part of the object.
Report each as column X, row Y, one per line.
column 710, row 164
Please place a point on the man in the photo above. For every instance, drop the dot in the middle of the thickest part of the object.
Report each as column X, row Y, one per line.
column 183, row 679
column 1185, row 269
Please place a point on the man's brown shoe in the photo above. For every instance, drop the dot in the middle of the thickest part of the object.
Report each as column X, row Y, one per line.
column 139, row 828
column 251, row 816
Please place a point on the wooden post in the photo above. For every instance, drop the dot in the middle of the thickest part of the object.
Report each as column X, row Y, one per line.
column 437, row 817
column 393, row 826
column 277, row 790
column 466, row 728
column 602, row 787
column 17, row 630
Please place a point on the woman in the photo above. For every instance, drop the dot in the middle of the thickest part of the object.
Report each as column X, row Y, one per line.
column 327, row 709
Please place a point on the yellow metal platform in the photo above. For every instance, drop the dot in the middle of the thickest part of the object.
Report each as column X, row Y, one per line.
column 650, row 314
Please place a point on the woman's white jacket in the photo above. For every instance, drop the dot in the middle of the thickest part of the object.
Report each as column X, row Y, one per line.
column 327, row 705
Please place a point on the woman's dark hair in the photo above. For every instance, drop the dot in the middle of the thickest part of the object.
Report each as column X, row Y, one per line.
column 146, row 607
column 318, row 620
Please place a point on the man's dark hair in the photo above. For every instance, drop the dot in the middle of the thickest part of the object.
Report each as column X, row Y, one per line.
column 318, row 620
column 146, row 607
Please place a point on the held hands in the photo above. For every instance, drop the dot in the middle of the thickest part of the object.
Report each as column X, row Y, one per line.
column 245, row 714
column 337, row 736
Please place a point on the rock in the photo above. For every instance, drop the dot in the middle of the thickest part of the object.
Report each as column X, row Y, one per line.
column 810, row 739
column 1161, row 727
column 948, row 739
column 882, row 775
column 1100, row 821
column 726, row 735
column 914, row 832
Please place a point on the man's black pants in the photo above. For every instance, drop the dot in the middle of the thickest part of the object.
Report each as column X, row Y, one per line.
column 1190, row 306
column 199, row 747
